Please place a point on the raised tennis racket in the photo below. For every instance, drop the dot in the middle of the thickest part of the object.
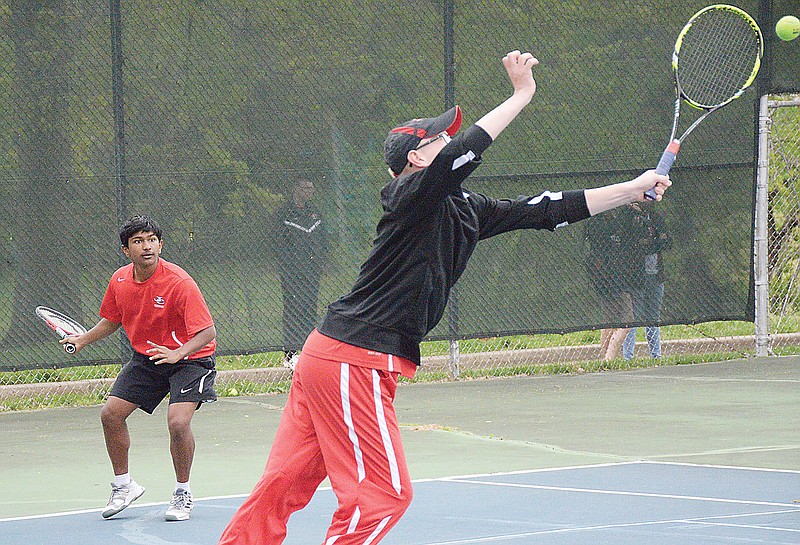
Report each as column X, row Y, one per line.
column 716, row 57
column 62, row 324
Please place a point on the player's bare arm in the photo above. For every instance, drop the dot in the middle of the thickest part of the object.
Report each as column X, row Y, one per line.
column 519, row 67
column 600, row 199
column 103, row 329
column 162, row 354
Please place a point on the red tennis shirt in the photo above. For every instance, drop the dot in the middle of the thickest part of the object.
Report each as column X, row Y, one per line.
column 167, row 308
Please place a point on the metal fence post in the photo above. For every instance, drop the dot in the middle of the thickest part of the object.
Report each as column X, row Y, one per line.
column 448, row 23
column 760, row 241
column 118, row 104
column 455, row 353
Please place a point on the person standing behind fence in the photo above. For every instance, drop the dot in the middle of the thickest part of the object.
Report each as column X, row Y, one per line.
column 339, row 420
column 646, row 286
column 173, row 338
column 608, row 267
column 302, row 248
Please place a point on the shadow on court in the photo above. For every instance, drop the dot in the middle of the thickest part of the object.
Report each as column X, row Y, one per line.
column 700, row 454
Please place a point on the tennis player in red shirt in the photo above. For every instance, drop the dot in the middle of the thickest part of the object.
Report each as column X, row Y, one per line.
column 173, row 337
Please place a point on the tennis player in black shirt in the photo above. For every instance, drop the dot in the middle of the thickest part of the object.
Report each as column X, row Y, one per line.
column 339, row 420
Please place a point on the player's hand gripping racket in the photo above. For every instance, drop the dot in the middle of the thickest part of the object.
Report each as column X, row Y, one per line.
column 716, row 57
column 62, row 324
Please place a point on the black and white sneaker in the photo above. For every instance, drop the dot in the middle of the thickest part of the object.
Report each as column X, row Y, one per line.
column 290, row 359
column 180, row 507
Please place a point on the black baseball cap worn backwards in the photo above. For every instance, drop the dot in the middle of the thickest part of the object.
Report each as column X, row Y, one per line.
column 407, row 136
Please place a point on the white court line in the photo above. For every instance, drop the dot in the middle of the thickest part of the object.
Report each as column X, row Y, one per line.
column 457, row 478
column 748, row 526
column 717, row 466
column 720, row 379
column 621, row 493
column 527, row 471
column 699, row 520
column 522, row 535
column 738, row 450
column 738, row 515
column 608, row 464
column 80, row 512
column 236, row 496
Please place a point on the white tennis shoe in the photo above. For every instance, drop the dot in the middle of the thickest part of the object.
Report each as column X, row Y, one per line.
column 122, row 497
column 291, row 361
column 180, row 507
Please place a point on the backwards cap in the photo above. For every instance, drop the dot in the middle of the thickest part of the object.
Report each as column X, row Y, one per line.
column 407, row 136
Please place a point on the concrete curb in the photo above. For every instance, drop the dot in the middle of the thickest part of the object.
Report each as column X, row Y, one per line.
column 482, row 360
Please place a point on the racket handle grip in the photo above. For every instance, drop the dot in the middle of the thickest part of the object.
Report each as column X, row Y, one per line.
column 69, row 348
column 665, row 164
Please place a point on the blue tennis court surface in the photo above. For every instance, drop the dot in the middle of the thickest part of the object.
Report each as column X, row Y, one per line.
column 623, row 503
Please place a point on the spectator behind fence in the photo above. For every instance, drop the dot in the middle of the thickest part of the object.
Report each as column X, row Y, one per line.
column 608, row 269
column 646, row 283
column 303, row 243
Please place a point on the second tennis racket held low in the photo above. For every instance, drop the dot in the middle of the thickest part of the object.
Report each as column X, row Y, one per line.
column 63, row 325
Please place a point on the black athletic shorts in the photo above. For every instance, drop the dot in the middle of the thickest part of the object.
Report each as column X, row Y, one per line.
column 146, row 384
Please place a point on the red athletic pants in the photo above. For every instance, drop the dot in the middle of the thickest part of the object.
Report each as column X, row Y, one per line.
column 338, row 422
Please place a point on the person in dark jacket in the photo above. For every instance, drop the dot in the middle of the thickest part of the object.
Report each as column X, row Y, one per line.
column 649, row 239
column 339, row 421
column 301, row 256
column 609, row 272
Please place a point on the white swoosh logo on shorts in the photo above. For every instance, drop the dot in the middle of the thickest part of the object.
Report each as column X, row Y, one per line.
column 186, row 390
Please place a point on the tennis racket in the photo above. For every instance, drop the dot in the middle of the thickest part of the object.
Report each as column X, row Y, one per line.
column 716, row 58
column 62, row 324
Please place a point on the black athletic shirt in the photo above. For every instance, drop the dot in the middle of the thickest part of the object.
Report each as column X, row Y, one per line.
column 429, row 229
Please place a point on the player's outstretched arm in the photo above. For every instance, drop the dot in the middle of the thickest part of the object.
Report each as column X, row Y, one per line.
column 600, row 199
column 520, row 71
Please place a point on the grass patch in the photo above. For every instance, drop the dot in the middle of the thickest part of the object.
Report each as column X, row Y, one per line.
column 35, row 402
column 574, row 367
column 68, row 374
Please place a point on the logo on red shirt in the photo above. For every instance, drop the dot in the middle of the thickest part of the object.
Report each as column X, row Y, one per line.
column 158, row 301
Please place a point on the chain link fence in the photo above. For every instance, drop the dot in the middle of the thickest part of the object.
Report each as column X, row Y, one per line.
column 783, row 225
column 253, row 134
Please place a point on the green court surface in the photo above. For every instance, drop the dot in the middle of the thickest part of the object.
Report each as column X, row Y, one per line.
column 735, row 413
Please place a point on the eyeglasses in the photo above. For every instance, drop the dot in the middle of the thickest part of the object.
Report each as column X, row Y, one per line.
column 443, row 135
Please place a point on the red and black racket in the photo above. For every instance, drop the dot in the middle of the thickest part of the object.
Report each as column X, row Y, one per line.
column 62, row 324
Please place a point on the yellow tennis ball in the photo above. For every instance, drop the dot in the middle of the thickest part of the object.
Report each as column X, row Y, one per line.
column 788, row 28
column 233, row 392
